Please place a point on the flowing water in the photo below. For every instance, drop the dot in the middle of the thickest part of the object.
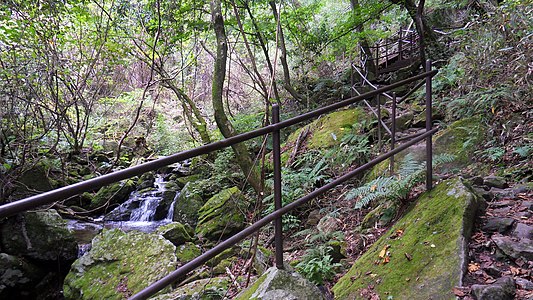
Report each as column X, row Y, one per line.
column 137, row 213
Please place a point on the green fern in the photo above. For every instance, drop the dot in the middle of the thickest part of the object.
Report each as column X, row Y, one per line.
column 395, row 187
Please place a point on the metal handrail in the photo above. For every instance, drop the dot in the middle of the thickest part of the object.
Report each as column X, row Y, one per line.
column 65, row 192
column 94, row 183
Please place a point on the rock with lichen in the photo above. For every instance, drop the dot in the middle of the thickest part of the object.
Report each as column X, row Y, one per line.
column 119, row 265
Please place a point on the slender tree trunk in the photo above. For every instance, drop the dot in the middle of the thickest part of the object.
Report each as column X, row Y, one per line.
column 283, row 57
column 429, row 45
column 226, row 128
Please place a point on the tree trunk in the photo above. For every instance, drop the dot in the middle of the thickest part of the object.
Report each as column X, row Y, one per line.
column 283, row 57
column 226, row 128
column 429, row 46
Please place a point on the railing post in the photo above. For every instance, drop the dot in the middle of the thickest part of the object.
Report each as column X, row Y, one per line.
column 429, row 121
column 276, row 153
column 393, row 132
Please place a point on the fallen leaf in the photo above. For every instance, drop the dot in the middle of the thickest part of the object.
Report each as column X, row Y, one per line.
column 458, row 292
column 515, row 271
column 373, row 188
column 433, row 246
column 383, row 252
column 473, row 267
column 386, row 260
column 397, row 234
column 408, row 256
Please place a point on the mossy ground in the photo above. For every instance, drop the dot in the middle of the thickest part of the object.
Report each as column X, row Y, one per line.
column 423, row 248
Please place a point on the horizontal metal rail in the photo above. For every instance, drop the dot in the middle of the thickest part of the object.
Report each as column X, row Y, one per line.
column 182, row 271
column 92, row 184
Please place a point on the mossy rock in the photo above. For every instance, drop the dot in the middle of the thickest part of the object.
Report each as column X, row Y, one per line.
column 460, row 139
column 119, row 265
column 281, row 284
column 176, row 233
column 222, row 215
column 427, row 249
column 115, row 193
column 182, row 181
column 188, row 252
column 328, row 130
column 189, row 203
column 202, row 289
column 39, row 235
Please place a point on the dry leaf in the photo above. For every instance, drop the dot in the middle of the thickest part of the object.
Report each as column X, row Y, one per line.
column 458, row 292
column 383, row 252
column 408, row 256
column 515, row 271
column 373, row 188
column 473, row 267
column 386, row 260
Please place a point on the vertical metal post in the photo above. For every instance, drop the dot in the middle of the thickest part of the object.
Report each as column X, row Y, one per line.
column 276, row 153
column 429, row 121
column 379, row 121
column 393, row 132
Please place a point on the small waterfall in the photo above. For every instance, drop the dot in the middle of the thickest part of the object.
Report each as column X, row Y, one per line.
column 170, row 214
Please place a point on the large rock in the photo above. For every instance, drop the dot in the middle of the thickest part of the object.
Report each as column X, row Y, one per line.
column 119, row 264
column 39, row 235
column 188, row 204
column 176, row 233
column 281, row 284
column 326, row 131
column 423, row 254
column 222, row 215
column 514, row 248
column 503, row 289
column 18, row 277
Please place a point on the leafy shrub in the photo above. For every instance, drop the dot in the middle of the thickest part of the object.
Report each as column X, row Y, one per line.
column 317, row 265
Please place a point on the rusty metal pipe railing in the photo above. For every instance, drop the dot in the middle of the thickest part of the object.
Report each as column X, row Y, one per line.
column 91, row 184
column 202, row 259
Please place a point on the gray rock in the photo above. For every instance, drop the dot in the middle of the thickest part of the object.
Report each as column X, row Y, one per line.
column 501, row 204
column 39, row 235
column 495, row 181
column 328, row 225
column 17, row 276
column 502, row 289
column 515, row 249
column 528, row 204
column 523, row 231
column 487, row 195
column 524, row 284
column 281, row 284
column 496, row 224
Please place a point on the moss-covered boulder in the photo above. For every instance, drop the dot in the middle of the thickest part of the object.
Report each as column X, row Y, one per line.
column 423, row 254
column 222, row 215
column 119, row 264
column 112, row 194
column 176, row 233
column 202, row 289
column 328, row 130
column 281, row 284
column 39, row 235
column 460, row 139
column 189, row 203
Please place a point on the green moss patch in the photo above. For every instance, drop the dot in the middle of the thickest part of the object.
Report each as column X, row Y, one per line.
column 423, row 254
column 119, row 265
